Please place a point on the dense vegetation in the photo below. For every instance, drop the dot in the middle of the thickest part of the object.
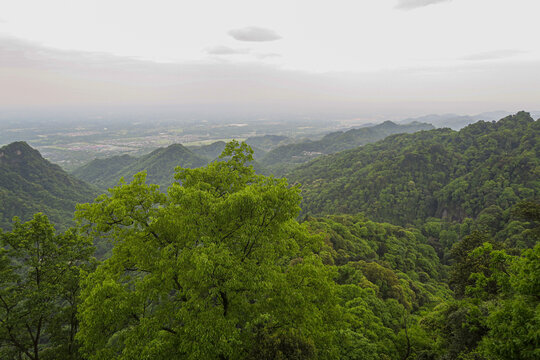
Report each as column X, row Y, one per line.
column 408, row 178
column 213, row 150
column 30, row 184
column 222, row 266
column 39, row 290
column 210, row 151
column 286, row 157
column 159, row 166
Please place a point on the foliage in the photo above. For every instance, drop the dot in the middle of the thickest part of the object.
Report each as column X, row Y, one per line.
column 39, row 288
column 213, row 150
column 30, row 184
column 480, row 171
column 514, row 321
column 159, row 165
column 215, row 268
column 387, row 276
column 104, row 171
column 497, row 314
column 218, row 267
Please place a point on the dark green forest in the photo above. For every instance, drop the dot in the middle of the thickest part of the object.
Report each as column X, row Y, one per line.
column 419, row 246
column 30, row 184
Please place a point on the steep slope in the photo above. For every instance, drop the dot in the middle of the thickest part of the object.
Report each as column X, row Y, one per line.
column 30, row 184
column 213, row 150
column 210, row 151
column 286, row 157
column 159, row 166
column 101, row 172
column 408, row 178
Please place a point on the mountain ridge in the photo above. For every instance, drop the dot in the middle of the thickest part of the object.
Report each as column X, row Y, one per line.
column 440, row 173
column 159, row 165
column 285, row 157
column 29, row 183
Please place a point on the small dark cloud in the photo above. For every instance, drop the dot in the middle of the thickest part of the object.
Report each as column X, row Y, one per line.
column 413, row 4
column 493, row 55
column 253, row 33
column 225, row 50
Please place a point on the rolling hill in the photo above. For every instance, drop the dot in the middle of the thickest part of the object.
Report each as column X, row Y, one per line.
column 283, row 158
column 159, row 165
column 30, row 184
column 408, row 178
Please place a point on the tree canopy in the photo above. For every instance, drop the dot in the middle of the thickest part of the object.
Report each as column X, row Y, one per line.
column 217, row 267
column 39, row 288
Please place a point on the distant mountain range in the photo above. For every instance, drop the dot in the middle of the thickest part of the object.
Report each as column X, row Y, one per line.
column 286, row 157
column 433, row 165
column 30, row 184
column 457, row 122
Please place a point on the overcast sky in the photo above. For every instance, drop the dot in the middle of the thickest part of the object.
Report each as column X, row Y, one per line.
column 402, row 57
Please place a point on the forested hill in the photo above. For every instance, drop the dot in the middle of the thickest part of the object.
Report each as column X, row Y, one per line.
column 287, row 156
column 210, row 151
column 407, row 178
column 219, row 266
column 159, row 165
column 102, row 171
column 30, row 184
column 213, row 150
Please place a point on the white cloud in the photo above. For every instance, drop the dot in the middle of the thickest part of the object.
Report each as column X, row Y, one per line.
column 413, row 4
column 253, row 33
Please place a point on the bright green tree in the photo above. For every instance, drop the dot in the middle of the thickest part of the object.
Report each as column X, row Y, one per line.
column 514, row 321
column 216, row 268
column 39, row 286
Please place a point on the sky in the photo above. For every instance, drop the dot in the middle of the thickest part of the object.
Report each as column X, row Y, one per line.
column 387, row 57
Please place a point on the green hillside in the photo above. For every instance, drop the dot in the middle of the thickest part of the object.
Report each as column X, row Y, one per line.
column 213, row 150
column 101, row 172
column 159, row 165
column 30, row 184
column 286, row 157
column 408, row 178
column 224, row 266
column 210, row 151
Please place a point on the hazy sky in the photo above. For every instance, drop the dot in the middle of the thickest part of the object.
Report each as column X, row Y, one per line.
column 407, row 57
